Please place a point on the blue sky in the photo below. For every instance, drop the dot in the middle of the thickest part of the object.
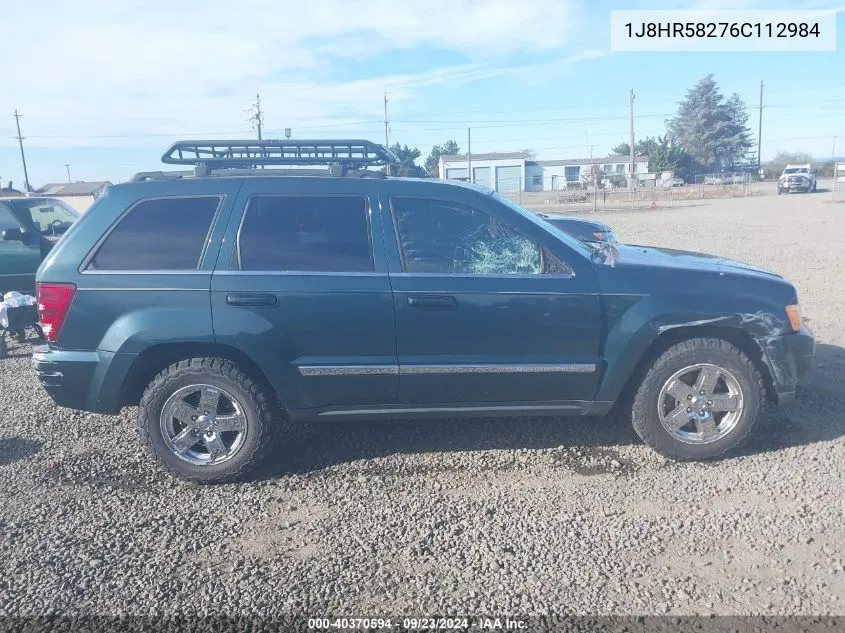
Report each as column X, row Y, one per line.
column 106, row 87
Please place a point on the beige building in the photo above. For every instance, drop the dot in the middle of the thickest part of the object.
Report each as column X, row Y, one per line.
column 79, row 195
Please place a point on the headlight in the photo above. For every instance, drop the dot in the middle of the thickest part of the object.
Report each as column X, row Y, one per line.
column 793, row 313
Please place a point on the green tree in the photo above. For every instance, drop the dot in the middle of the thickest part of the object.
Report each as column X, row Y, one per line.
column 432, row 163
column 407, row 161
column 641, row 147
column 711, row 130
column 663, row 155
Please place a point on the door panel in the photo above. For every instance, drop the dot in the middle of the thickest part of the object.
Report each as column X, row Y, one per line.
column 471, row 337
column 18, row 261
column 325, row 334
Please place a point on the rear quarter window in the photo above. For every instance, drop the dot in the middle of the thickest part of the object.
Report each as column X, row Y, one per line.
column 158, row 234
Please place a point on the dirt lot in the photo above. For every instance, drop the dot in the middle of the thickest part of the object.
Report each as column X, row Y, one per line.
column 520, row 516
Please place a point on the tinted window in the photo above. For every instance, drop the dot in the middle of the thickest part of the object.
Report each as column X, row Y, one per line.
column 162, row 234
column 49, row 217
column 437, row 236
column 305, row 233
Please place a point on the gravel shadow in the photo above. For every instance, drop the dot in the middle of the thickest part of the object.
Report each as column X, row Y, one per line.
column 814, row 417
column 818, row 413
column 319, row 445
column 13, row 449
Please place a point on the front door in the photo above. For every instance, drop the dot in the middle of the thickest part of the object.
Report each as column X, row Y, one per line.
column 301, row 287
column 485, row 314
column 19, row 259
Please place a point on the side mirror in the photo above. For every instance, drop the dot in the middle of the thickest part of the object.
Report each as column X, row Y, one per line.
column 12, row 235
column 16, row 235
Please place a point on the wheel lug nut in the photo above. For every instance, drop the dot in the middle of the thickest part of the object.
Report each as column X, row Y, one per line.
column 701, row 392
column 689, row 396
column 689, row 409
column 709, row 403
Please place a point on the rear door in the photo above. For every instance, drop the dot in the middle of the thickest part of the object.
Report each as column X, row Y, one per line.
column 301, row 286
column 18, row 259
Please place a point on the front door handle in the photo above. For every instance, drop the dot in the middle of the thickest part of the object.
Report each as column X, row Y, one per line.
column 432, row 301
column 253, row 299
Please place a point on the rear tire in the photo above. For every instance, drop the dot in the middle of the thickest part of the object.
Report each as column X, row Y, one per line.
column 672, row 415
column 206, row 421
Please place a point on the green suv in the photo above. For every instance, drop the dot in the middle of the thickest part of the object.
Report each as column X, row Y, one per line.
column 29, row 227
column 224, row 300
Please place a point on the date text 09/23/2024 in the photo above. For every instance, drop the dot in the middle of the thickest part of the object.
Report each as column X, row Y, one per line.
column 418, row 624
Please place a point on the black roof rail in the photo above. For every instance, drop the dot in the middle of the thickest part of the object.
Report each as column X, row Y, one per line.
column 206, row 155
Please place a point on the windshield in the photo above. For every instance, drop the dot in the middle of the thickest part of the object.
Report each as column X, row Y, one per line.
column 796, row 170
column 570, row 241
column 50, row 217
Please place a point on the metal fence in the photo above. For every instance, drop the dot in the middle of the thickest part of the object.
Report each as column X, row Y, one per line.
column 608, row 192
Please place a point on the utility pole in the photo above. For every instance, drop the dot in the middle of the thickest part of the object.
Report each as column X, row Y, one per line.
column 259, row 115
column 760, row 130
column 67, row 166
column 256, row 116
column 631, row 156
column 23, row 157
column 386, row 132
column 469, row 155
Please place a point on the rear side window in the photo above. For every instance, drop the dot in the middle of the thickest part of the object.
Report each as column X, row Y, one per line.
column 305, row 233
column 159, row 234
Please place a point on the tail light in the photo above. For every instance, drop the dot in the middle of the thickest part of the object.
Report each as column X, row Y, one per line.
column 53, row 303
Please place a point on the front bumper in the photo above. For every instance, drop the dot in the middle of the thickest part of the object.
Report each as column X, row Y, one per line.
column 795, row 186
column 87, row 381
column 789, row 357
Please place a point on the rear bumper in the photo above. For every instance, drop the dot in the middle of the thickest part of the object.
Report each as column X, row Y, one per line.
column 789, row 357
column 87, row 381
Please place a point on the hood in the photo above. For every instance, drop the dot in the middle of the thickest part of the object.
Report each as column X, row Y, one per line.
column 629, row 255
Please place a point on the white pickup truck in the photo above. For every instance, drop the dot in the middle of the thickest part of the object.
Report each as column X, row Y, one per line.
column 797, row 178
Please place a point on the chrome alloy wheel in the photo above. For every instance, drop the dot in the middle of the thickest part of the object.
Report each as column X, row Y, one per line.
column 203, row 425
column 700, row 404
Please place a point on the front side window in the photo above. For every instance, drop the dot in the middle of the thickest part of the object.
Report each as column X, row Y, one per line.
column 159, row 234
column 7, row 220
column 438, row 236
column 50, row 217
column 305, row 233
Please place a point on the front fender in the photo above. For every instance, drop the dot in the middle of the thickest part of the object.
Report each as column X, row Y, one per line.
column 637, row 328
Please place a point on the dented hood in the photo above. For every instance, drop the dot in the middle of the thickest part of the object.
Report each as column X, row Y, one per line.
column 626, row 255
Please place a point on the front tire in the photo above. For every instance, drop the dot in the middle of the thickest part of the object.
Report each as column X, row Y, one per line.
column 700, row 399
column 206, row 421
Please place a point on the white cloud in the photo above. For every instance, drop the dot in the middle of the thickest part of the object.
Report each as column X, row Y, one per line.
column 96, row 69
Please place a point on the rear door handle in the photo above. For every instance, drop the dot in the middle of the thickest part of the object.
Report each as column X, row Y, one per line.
column 432, row 301
column 254, row 299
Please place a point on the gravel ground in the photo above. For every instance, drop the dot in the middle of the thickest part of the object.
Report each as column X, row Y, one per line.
column 537, row 516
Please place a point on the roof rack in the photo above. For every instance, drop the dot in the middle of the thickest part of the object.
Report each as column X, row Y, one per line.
column 353, row 154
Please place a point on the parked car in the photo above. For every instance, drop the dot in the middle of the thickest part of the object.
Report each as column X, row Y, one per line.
column 29, row 227
column 589, row 231
column 221, row 303
column 797, row 178
column 677, row 181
